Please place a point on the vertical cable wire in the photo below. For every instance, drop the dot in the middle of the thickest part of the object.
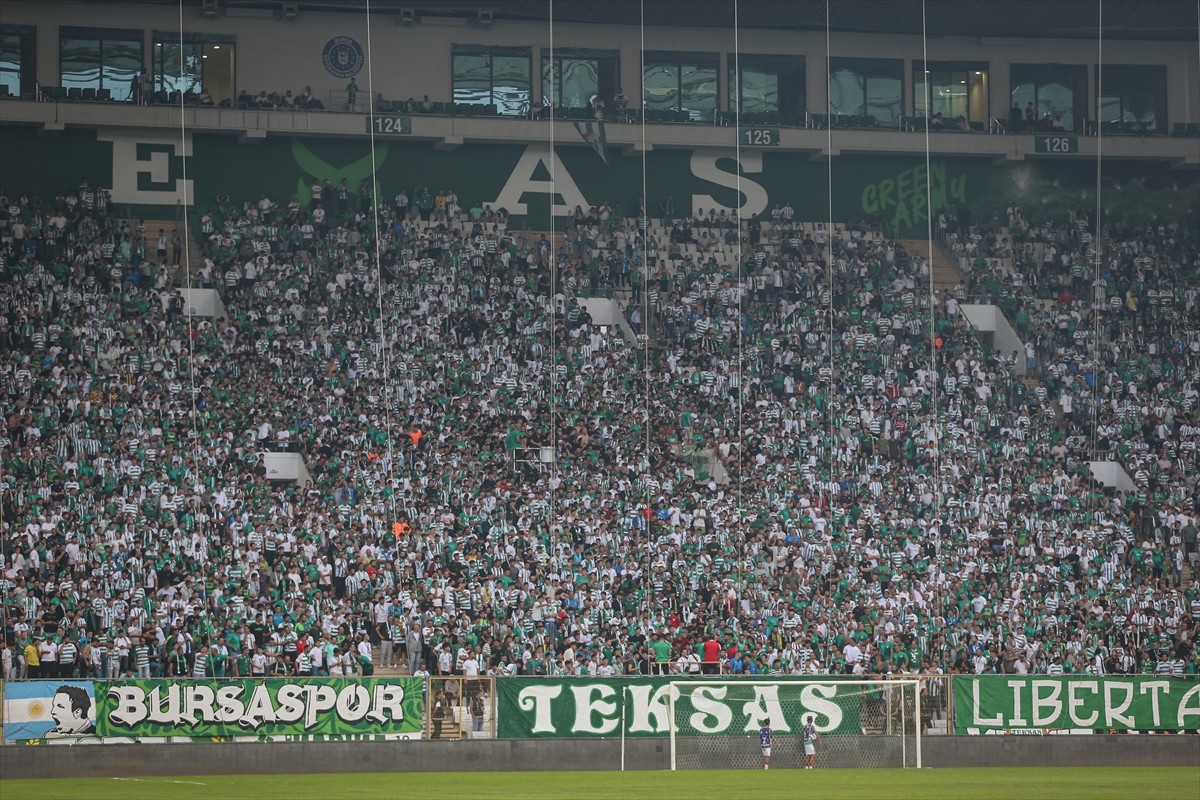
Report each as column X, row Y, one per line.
column 934, row 429
column 739, row 458
column 644, row 223
column 1097, row 241
column 553, row 267
column 187, row 259
column 384, row 348
column 831, row 443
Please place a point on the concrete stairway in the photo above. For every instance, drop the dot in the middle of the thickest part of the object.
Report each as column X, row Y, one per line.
column 946, row 274
column 557, row 238
column 191, row 251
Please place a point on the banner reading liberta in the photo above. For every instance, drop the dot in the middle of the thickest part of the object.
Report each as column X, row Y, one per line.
column 1044, row 703
column 273, row 707
column 543, row 708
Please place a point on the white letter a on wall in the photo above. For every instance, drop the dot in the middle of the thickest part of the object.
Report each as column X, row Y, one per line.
column 522, row 180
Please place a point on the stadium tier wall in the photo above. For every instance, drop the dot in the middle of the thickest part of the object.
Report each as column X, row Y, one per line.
column 554, row 754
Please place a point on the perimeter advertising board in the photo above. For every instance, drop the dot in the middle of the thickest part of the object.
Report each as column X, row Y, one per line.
column 595, row 707
column 238, row 709
column 1074, row 703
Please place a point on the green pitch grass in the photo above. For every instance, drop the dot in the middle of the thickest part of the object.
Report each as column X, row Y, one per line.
column 1118, row 783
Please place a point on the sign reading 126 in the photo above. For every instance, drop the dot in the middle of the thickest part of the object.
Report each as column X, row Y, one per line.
column 759, row 137
column 1056, row 144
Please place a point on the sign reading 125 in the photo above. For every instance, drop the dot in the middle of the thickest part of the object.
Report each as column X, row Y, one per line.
column 759, row 137
column 1056, row 144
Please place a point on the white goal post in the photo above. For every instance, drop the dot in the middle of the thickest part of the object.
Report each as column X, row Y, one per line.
column 715, row 724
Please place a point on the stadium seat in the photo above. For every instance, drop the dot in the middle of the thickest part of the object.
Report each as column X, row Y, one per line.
column 74, row 93
column 104, row 95
column 89, row 95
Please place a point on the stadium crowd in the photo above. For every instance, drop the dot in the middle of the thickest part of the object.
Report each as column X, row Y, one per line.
column 788, row 460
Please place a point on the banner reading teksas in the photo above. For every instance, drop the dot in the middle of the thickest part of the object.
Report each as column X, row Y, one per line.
column 273, row 707
column 1045, row 703
column 548, row 708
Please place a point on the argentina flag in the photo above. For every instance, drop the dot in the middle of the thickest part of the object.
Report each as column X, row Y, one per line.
column 48, row 710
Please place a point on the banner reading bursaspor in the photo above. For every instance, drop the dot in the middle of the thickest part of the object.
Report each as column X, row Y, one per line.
column 271, row 707
column 1044, row 703
column 573, row 707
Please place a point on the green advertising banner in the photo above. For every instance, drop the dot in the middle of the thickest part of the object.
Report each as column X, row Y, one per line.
column 1044, row 703
column 273, row 707
column 549, row 708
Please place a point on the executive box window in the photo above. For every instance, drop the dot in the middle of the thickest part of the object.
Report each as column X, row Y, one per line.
column 769, row 85
column 681, row 82
column 203, row 62
column 103, row 59
column 1132, row 98
column 574, row 77
column 498, row 76
column 867, row 87
column 1058, row 93
column 956, row 90
column 17, row 60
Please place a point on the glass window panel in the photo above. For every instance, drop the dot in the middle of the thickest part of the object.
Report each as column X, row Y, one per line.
column 80, row 63
column 121, row 61
column 847, row 92
column 770, row 84
column 580, row 82
column 181, row 76
column 472, row 79
column 510, row 83
column 167, row 74
column 660, row 87
column 949, row 95
column 218, row 71
column 1056, row 100
column 1110, row 109
column 1057, row 90
column 760, row 91
column 920, row 93
column 698, row 91
column 551, row 74
column 883, row 99
column 1022, row 95
column 10, row 63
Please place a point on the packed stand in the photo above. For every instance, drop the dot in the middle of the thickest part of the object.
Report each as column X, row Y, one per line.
column 759, row 466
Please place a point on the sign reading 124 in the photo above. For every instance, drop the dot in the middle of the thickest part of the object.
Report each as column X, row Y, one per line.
column 389, row 125
column 1056, row 144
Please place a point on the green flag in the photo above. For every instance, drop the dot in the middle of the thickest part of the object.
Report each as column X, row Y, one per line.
column 593, row 134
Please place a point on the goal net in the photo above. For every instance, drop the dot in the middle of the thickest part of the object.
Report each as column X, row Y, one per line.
column 717, row 724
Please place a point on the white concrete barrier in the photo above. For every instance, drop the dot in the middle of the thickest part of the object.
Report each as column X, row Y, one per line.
column 286, row 467
column 203, row 303
column 990, row 319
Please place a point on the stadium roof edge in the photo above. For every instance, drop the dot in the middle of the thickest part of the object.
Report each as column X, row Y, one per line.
column 1161, row 20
